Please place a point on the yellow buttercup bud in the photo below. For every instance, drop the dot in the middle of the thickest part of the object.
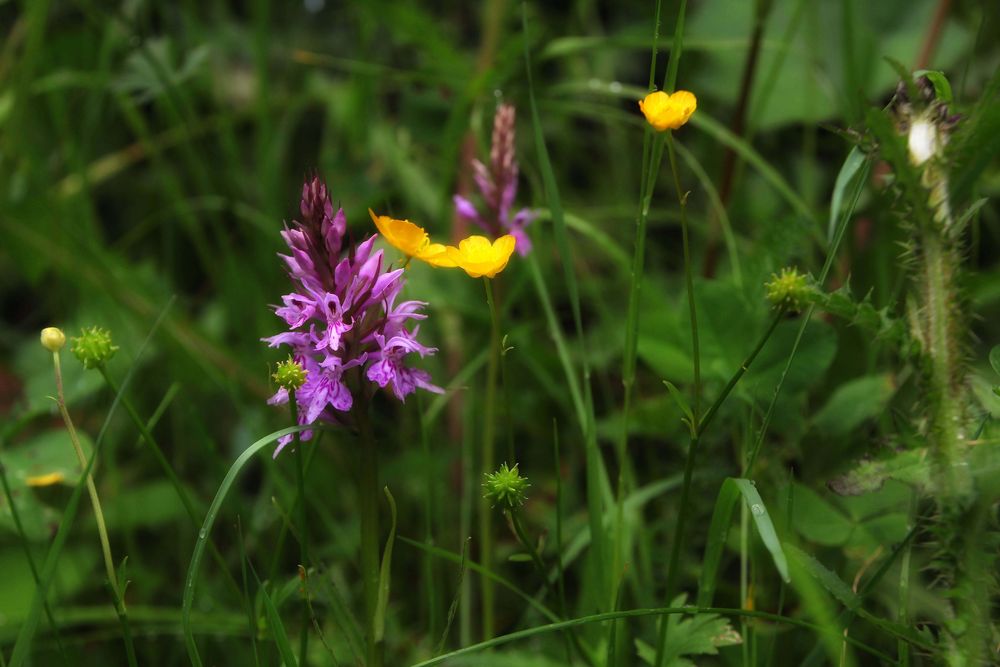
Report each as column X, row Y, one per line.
column 53, row 339
column 668, row 112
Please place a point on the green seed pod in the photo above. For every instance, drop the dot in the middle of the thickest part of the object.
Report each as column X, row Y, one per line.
column 93, row 347
column 289, row 374
column 505, row 487
column 789, row 289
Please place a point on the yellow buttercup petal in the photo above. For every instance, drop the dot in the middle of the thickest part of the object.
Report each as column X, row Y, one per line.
column 479, row 257
column 668, row 112
column 45, row 480
column 436, row 254
column 401, row 234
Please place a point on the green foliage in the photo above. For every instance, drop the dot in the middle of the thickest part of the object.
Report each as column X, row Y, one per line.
column 703, row 634
column 154, row 149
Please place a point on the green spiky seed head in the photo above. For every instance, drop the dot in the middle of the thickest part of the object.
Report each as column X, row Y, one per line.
column 505, row 487
column 53, row 339
column 289, row 374
column 93, row 347
column 789, row 289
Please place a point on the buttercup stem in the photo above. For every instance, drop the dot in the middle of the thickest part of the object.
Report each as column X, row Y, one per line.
column 688, row 277
column 536, row 559
column 95, row 502
column 487, row 454
column 369, row 493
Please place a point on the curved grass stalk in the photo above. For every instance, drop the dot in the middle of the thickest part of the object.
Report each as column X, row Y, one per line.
column 206, row 529
column 640, row 613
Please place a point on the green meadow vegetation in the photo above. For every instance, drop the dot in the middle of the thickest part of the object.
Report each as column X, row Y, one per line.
column 400, row 334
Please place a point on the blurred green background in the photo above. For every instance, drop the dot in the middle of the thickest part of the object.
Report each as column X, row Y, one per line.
column 152, row 149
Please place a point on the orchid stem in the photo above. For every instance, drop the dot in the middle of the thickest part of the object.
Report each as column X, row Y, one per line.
column 303, row 526
column 369, row 492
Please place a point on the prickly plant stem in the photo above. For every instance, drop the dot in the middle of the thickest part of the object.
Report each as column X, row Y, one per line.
column 95, row 502
column 487, row 454
column 937, row 275
column 369, row 494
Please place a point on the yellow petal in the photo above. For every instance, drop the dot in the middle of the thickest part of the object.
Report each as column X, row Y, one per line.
column 668, row 112
column 478, row 256
column 436, row 254
column 45, row 480
column 401, row 234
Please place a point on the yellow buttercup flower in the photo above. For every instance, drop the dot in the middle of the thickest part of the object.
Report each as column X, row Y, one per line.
column 411, row 240
column 479, row 257
column 668, row 112
column 401, row 234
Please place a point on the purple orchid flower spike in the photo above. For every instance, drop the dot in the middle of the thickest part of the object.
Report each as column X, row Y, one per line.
column 497, row 185
column 344, row 313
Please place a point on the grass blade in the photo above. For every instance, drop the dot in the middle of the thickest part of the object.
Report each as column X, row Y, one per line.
column 852, row 165
column 765, row 528
column 595, row 473
column 276, row 626
column 385, row 571
column 206, row 529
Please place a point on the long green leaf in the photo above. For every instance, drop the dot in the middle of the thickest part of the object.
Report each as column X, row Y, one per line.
column 764, row 525
column 206, row 529
column 725, row 503
column 385, row 572
column 848, row 171
column 276, row 626
column 718, row 531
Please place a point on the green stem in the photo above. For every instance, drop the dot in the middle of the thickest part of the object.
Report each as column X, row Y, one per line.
column 702, row 424
column 95, row 502
column 486, row 463
column 740, row 372
column 688, row 277
column 536, row 558
column 300, row 478
column 903, row 616
column 369, row 492
column 430, row 481
column 522, row 536
column 938, row 287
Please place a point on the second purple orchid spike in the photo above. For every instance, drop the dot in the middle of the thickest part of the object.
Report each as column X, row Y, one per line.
column 497, row 185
